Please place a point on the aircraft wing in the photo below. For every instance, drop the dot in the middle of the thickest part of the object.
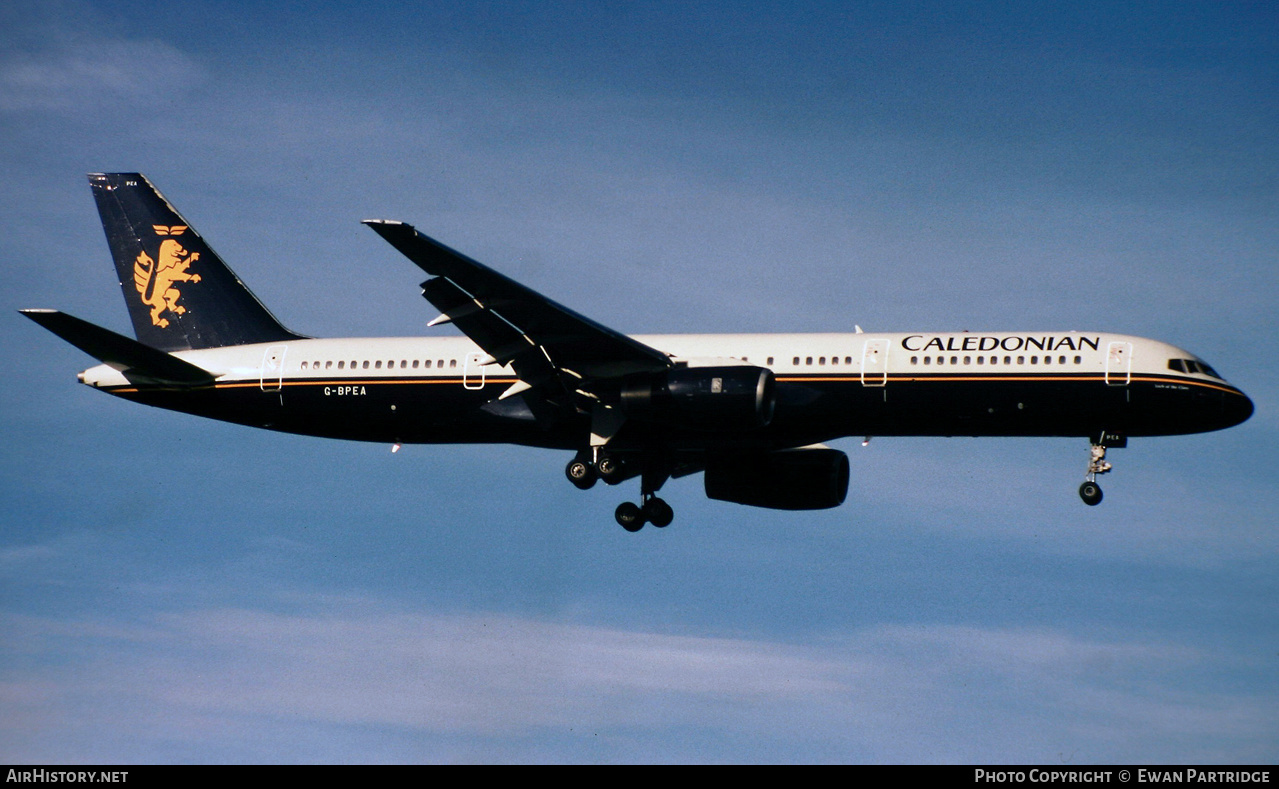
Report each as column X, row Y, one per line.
column 514, row 324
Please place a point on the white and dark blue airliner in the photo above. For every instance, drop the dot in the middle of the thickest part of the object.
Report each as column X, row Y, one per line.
column 747, row 411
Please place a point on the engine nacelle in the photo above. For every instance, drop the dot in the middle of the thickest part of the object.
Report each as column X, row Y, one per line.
column 733, row 397
column 792, row 479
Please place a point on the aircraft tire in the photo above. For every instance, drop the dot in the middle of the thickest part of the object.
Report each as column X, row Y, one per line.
column 629, row 516
column 1090, row 492
column 658, row 513
column 609, row 469
column 580, row 474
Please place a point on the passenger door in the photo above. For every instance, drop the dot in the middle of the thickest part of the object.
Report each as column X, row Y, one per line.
column 272, row 377
column 875, row 363
column 1119, row 364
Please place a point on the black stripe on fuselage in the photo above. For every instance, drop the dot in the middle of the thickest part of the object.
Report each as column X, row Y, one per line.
column 810, row 408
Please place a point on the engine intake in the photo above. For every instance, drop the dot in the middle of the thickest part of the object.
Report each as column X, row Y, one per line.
column 711, row 398
column 793, row 479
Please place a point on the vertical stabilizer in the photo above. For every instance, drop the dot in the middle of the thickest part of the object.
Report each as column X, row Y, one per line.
column 179, row 292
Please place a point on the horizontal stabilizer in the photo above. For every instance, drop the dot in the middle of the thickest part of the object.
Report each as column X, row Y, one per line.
column 138, row 362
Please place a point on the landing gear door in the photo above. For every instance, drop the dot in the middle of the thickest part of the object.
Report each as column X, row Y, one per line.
column 273, row 368
column 1118, row 364
column 875, row 363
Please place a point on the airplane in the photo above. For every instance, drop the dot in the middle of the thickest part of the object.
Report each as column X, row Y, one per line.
column 750, row 412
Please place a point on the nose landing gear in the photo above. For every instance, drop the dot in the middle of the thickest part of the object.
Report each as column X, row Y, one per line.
column 1090, row 491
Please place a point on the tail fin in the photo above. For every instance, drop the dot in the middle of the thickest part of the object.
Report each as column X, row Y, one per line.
column 180, row 294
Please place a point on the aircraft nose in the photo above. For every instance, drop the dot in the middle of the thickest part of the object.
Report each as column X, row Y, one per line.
column 1238, row 407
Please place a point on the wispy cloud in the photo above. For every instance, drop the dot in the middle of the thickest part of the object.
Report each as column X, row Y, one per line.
column 83, row 73
column 881, row 693
column 22, row 554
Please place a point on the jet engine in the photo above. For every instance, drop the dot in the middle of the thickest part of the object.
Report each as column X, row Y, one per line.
column 733, row 397
column 791, row 479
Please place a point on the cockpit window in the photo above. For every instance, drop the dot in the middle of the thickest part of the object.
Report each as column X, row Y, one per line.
column 1193, row 366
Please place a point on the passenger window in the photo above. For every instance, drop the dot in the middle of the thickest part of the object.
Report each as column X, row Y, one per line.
column 808, row 360
column 366, row 364
column 981, row 359
column 377, row 365
column 928, row 360
column 968, row 360
column 1021, row 360
column 1048, row 360
column 452, row 362
column 415, row 362
column 1061, row 360
column 954, row 360
column 1034, row 360
column 303, row 365
column 914, row 360
column 1079, row 359
column 328, row 365
column 821, row 361
column 770, row 361
column 848, row 360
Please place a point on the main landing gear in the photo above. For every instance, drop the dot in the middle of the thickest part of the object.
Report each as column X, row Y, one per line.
column 632, row 516
column 1090, row 491
column 584, row 470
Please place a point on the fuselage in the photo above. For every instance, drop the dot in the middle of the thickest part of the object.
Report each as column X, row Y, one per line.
column 440, row 390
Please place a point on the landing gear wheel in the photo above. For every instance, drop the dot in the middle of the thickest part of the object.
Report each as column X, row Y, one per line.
column 658, row 512
column 629, row 516
column 609, row 469
column 581, row 474
column 1090, row 492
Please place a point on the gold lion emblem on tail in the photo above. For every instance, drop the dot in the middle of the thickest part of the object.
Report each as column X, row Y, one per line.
column 154, row 281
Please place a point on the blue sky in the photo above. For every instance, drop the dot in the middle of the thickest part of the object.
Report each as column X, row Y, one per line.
column 175, row 589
